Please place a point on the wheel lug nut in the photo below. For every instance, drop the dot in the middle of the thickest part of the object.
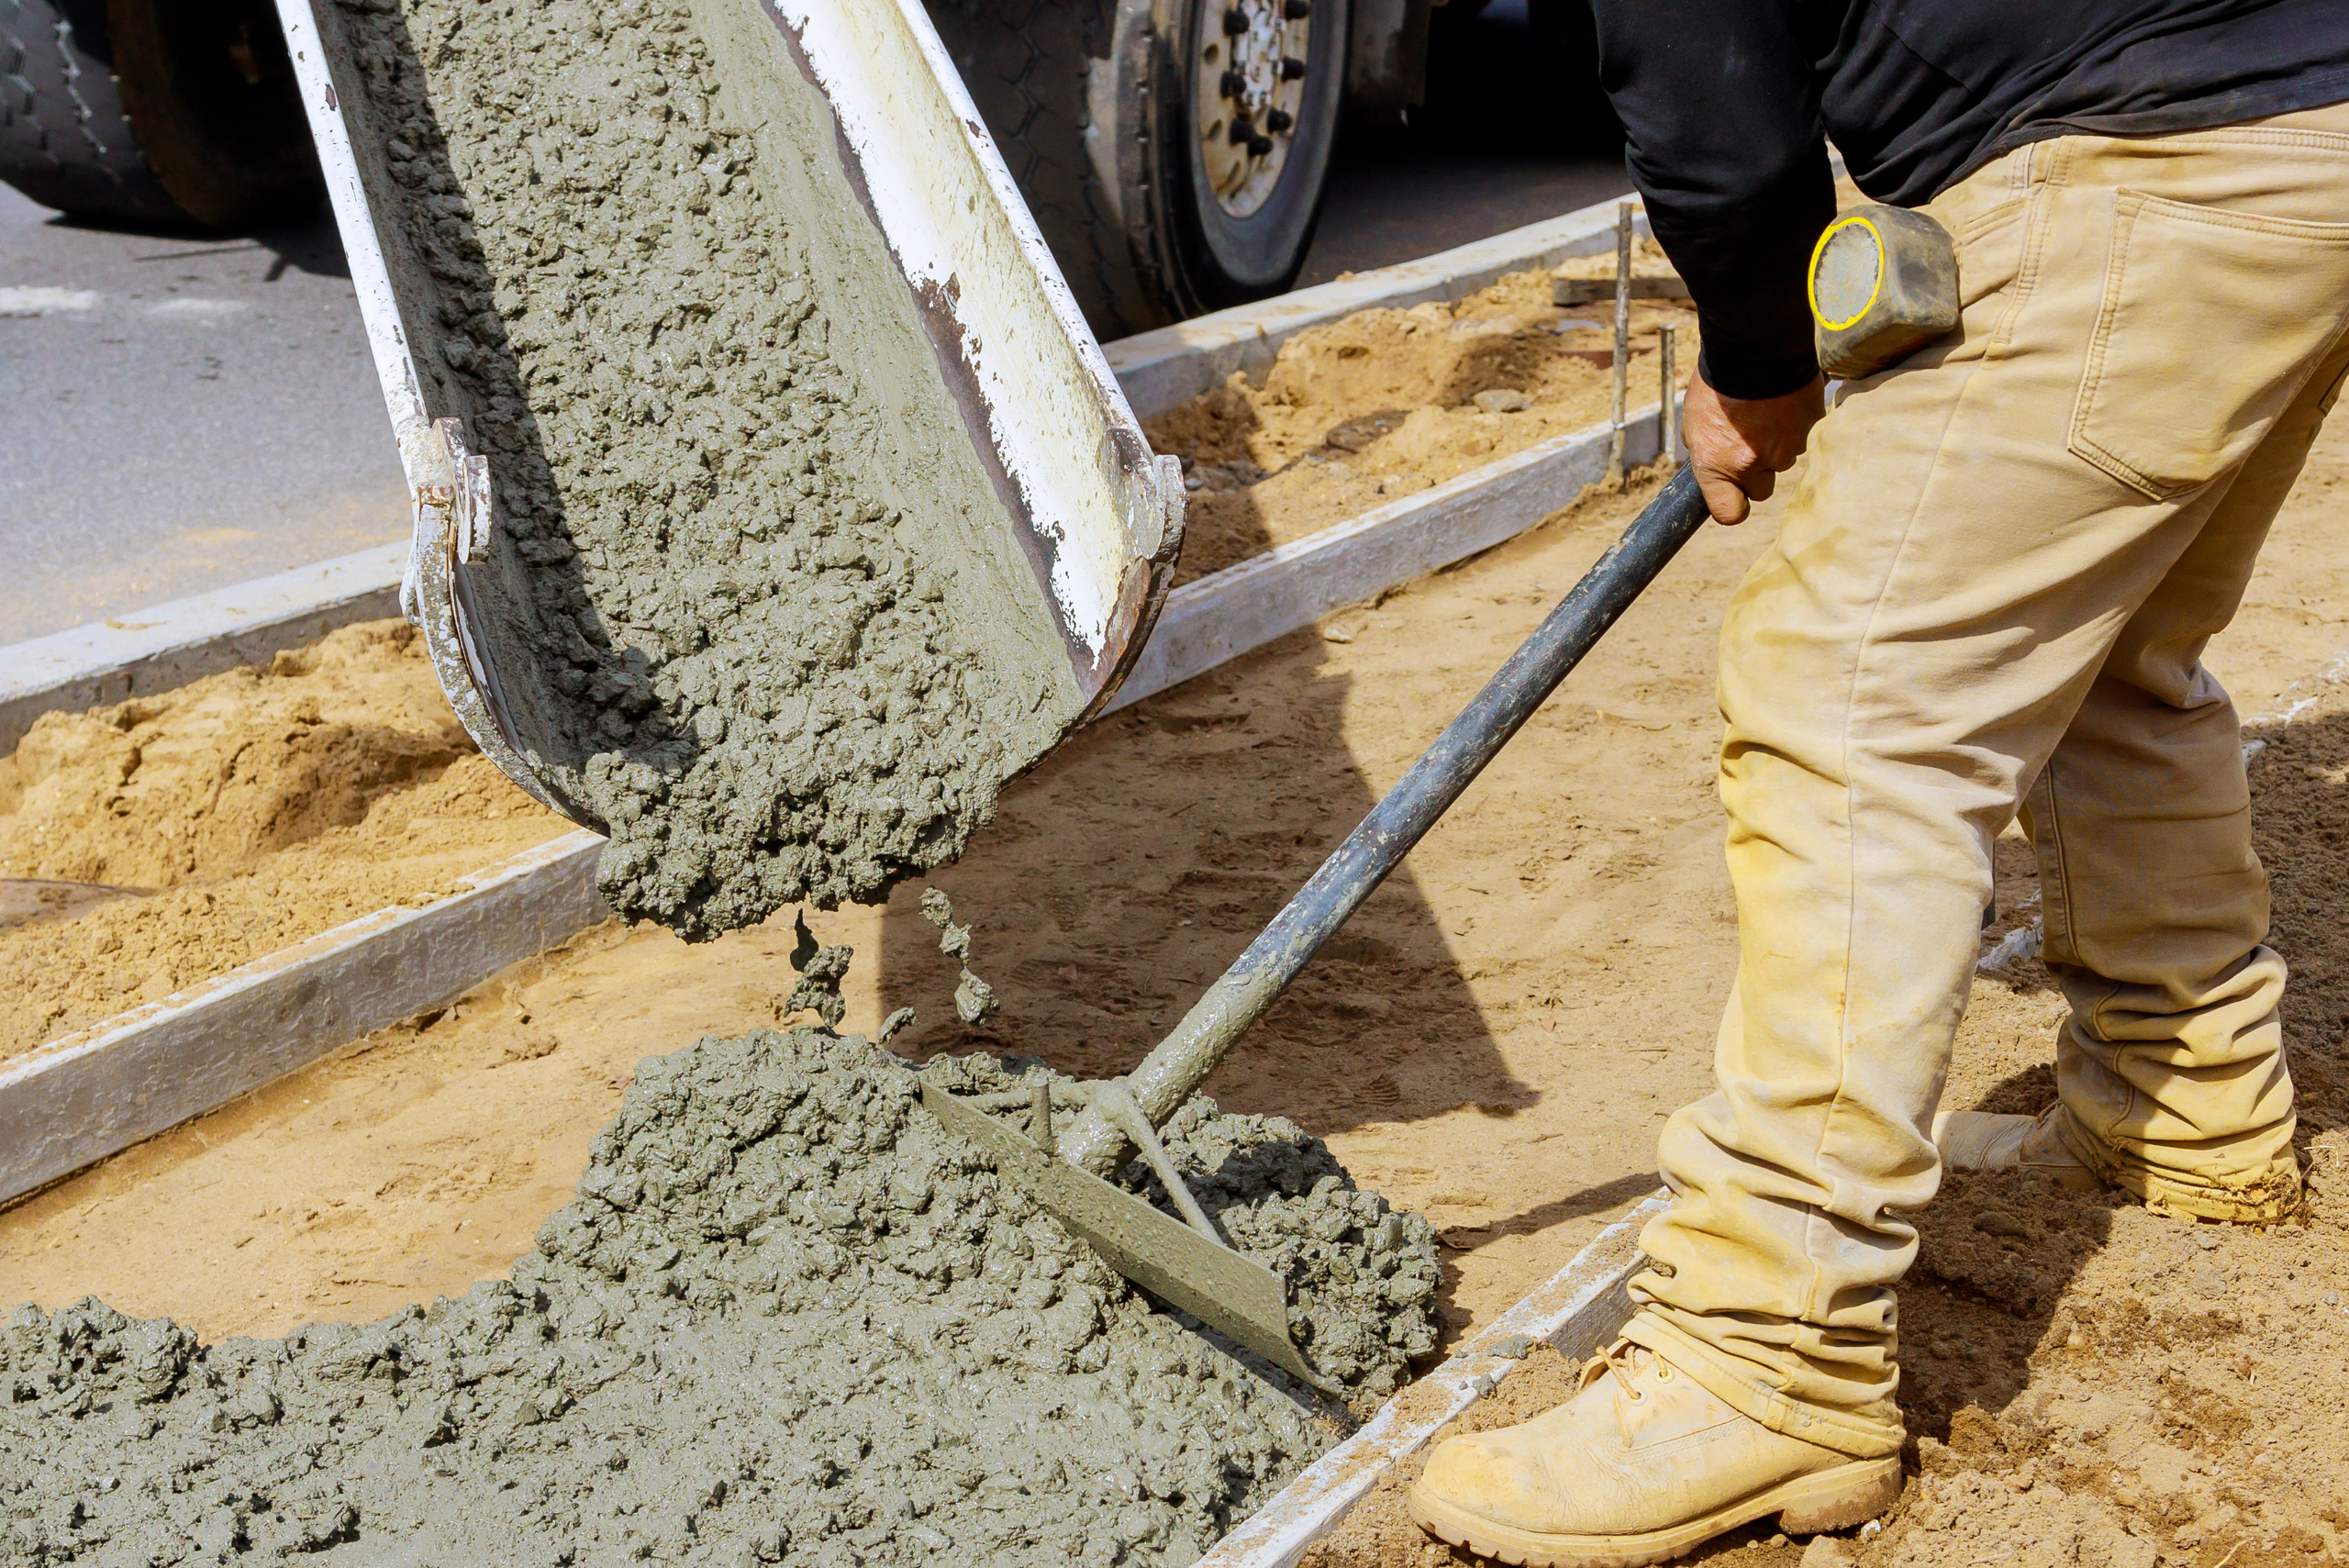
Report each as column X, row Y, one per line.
column 1233, row 86
column 1292, row 69
column 1279, row 120
column 1260, row 145
column 1243, row 133
column 1297, row 10
column 1235, row 21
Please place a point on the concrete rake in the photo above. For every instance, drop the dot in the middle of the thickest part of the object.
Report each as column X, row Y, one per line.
column 1187, row 1263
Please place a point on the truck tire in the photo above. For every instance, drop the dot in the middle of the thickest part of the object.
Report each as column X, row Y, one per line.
column 1159, row 200
column 153, row 112
column 65, row 140
column 212, row 93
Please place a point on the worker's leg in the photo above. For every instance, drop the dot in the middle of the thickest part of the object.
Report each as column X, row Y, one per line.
column 1973, row 533
column 2171, row 1070
column 1977, row 533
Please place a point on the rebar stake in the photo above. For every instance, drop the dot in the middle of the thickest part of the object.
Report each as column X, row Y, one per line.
column 1622, row 333
column 1040, row 1117
column 1668, row 399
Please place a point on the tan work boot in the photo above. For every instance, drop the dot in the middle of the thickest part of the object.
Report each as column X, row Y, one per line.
column 1639, row 1466
column 1991, row 1140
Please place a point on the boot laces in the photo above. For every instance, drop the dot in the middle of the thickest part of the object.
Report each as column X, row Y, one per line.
column 1618, row 1361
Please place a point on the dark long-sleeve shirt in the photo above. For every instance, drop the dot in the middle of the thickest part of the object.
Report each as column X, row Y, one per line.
column 1727, row 106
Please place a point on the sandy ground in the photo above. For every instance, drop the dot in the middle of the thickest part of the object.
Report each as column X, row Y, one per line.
column 168, row 839
column 1387, row 403
column 1493, row 1040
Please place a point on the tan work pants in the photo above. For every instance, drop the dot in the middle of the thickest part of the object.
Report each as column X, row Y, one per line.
column 1991, row 593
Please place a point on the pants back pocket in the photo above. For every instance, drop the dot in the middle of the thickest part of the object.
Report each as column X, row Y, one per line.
column 2210, row 321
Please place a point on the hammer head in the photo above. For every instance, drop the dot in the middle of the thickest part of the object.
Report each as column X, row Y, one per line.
column 1882, row 284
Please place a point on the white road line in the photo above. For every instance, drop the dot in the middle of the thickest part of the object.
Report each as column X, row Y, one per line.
column 32, row 299
column 196, row 310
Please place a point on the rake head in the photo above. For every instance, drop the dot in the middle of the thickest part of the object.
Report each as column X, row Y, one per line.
column 1184, row 1266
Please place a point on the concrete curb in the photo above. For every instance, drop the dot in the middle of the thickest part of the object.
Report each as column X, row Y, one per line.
column 79, row 1099
column 168, row 645
column 1577, row 1310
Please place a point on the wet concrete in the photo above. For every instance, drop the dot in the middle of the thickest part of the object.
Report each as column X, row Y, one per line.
column 787, row 1318
column 975, row 999
column 753, row 601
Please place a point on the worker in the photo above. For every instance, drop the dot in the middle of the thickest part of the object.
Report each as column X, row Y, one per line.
column 1987, row 599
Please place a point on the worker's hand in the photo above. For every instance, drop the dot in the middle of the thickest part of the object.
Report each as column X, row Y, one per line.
column 1739, row 446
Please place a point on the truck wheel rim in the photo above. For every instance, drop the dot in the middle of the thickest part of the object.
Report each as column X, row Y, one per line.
column 1252, row 58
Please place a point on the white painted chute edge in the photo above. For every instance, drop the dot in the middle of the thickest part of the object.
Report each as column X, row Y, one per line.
column 948, row 208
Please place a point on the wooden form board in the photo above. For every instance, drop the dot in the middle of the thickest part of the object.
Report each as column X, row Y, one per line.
column 1577, row 1310
column 90, row 1094
column 1596, row 291
column 1174, row 364
column 1227, row 613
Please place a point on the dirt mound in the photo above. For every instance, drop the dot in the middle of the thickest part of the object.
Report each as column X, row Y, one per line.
column 1384, row 403
column 204, row 781
column 253, row 808
column 786, row 1316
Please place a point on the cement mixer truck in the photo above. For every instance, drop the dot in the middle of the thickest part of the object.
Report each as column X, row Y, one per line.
column 1173, row 151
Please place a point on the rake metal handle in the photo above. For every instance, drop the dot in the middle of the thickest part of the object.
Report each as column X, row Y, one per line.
column 1185, row 1058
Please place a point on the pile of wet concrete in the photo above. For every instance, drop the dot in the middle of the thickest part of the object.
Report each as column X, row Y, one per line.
column 787, row 1318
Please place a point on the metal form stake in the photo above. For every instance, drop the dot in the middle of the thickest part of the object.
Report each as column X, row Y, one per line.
column 1668, row 397
column 1040, row 1117
column 1623, row 331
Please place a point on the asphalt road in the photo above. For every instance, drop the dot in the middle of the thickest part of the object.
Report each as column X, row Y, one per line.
column 1512, row 132
column 179, row 415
